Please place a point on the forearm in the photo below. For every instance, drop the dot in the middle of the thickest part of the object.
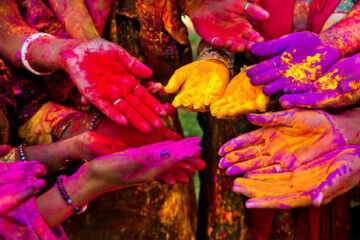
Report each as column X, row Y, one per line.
column 345, row 35
column 76, row 18
column 348, row 123
column 53, row 207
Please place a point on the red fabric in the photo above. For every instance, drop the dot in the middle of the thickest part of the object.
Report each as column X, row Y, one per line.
column 261, row 221
column 281, row 18
column 320, row 10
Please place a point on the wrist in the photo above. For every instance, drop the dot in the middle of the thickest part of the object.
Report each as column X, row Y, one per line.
column 347, row 123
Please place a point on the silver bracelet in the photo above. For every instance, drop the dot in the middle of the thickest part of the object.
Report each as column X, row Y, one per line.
column 211, row 53
column 93, row 122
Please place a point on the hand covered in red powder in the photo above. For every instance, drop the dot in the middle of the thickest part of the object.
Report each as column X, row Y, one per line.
column 315, row 183
column 300, row 59
column 224, row 24
column 18, row 182
column 105, row 74
column 287, row 140
column 339, row 87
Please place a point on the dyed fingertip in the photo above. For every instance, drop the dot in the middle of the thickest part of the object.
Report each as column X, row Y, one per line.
column 319, row 199
column 233, row 171
column 250, row 204
column 236, row 189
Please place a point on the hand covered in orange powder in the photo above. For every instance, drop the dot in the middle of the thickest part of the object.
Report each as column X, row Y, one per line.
column 202, row 82
column 287, row 140
column 314, row 183
column 224, row 24
column 240, row 97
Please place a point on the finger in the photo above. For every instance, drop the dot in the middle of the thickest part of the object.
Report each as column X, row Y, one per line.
column 144, row 111
column 110, row 111
column 272, row 119
column 267, row 76
column 134, row 66
column 217, row 42
column 276, row 86
column 16, row 166
column 270, row 177
column 252, row 164
column 299, row 87
column 264, row 66
column 271, row 47
column 186, row 168
column 171, row 135
column 180, row 176
column 244, row 140
column 166, row 178
column 169, row 109
column 176, row 80
column 275, row 168
column 149, row 100
column 4, row 149
column 252, row 35
column 349, row 85
column 256, row 11
column 256, row 188
column 289, row 201
column 21, row 175
column 14, row 195
column 238, row 45
column 238, row 156
column 196, row 161
column 134, row 118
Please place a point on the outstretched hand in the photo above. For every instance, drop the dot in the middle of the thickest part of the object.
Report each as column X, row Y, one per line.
column 287, row 140
column 105, row 74
column 339, row 87
column 224, row 24
column 295, row 65
column 315, row 183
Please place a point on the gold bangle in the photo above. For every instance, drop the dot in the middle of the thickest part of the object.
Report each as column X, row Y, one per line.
column 10, row 157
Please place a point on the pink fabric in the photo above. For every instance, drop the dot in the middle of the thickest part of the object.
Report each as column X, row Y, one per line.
column 25, row 222
column 320, row 10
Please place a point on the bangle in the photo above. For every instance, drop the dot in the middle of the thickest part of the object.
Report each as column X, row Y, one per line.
column 211, row 53
column 94, row 121
column 22, row 153
column 10, row 157
column 24, row 50
column 60, row 127
column 67, row 199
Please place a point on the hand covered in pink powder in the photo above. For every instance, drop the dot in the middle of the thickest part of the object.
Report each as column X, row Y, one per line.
column 105, row 74
column 300, row 58
column 224, row 24
column 315, row 183
column 18, row 182
column 286, row 140
column 140, row 165
column 339, row 87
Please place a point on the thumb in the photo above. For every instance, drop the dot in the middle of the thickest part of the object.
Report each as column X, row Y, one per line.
column 176, row 80
column 271, row 119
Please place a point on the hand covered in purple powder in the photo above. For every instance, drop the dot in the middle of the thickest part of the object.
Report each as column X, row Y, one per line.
column 18, row 182
column 300, row 58
column 287, row 140
column 315, row 183
column 339, row 87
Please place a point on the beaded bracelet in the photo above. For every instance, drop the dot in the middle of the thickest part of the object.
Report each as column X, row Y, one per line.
column 66, row 197
column 22, row 153
column 94, row 121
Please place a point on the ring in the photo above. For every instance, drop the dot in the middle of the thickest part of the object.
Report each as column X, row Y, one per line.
column 247, row 6
column 258, row 148
column 272, row 60
column 164, row 153
column 278, row 168
column 117, row 101
column 212, row 40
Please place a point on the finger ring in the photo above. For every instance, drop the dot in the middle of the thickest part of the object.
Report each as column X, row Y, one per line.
column 257, row 147
column 278, row 168
column 164, row 153
column 273, row 61
column 212, row 40
column 117, row 101
column 247, row 6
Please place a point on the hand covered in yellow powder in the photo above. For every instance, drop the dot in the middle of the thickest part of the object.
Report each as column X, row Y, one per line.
column 315, row 183
column 202, row 83
column 287, row 140
column 240, row 97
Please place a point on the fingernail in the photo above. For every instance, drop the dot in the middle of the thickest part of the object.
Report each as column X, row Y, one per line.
column 250, row 204
column 236, row 189
column 317, row 201
column 157, row 123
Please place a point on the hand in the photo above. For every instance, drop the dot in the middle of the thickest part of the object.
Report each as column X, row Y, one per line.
column 18, row 182
column 139, row 165
column 295, row 63
column 104, row 73
column 315, row 183
column 202, row 83
column 224, row 24
column 287, row 140
column 240, row 97
column 339, row 87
